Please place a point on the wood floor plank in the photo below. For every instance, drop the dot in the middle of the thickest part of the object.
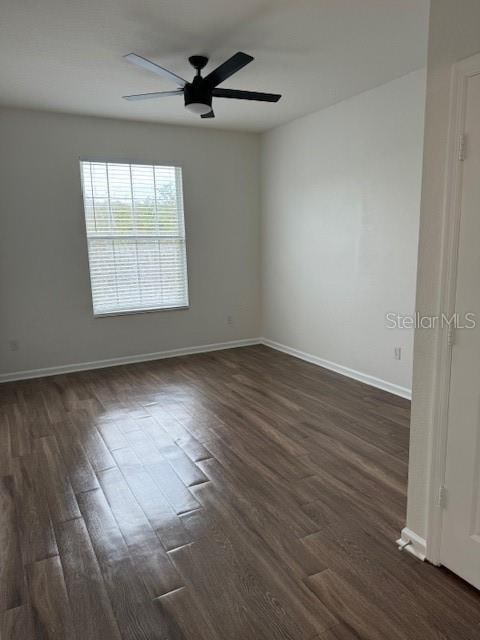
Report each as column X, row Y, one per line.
column 81, row 473
column 335, row 493
column 228, row 495
column 177, row 494
column 56, row 481
column 51, row 614
column 340, row 631
column 260, row 481
column 36, row 531
column 352, row 609
column 181, row 605
column 185, row 440
column 211, row 578
column 11, row 572
column 16, row 624
column 135, row 612
column 202, row 427
column 349, row 552
column 251, row 547
column 229, row 574
column 6, row 455
column 150, row 558
column 38, row 421
column 111, row 434
column 272, row 525
column 270, row 453
column 91, row 440
column 21, row 441
column 186, row 470
column 160, row 514
column 91, row 610
column 333, row 397
column 169, row 483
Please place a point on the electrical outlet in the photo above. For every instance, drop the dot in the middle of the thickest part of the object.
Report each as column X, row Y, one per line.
column 14, row 345
column 398, row 353
column 230, row 320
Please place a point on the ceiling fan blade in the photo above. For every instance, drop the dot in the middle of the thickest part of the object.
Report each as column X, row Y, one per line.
column 210, row 114
column 246, row 95
column 156, row 94
column 227, row 69
column 155, row 68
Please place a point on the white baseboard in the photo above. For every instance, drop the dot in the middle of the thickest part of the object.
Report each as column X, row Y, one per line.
column 413, row 543
column 205, row 348
column 113, row 362
column 338, row 368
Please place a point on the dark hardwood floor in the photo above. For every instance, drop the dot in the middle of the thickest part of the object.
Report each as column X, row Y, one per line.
column 235, row 495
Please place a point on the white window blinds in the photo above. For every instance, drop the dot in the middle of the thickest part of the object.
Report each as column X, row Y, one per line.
column 136, row 237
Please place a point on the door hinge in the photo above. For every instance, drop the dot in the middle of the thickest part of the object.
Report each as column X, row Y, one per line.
column 462, row 148
column 442, row 497
column 451, row 335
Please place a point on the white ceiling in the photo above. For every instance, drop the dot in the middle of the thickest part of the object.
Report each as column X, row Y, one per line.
column 66, row 55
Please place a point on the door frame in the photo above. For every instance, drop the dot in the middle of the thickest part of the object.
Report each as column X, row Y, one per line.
column 461, row 72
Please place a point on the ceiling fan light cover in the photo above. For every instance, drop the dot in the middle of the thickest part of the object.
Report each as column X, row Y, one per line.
column 198, row 108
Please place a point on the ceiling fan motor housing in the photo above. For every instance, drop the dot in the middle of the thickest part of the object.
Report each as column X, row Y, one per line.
column 197, row 92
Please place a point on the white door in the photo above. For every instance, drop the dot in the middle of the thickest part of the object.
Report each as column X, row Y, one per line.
column 460, row 545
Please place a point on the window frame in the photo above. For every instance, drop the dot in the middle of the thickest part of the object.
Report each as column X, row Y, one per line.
column 128, row 312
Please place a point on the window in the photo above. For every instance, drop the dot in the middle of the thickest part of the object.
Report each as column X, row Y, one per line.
column 136, row 237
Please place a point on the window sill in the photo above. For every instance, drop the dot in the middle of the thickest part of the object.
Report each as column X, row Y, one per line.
column 131, row 312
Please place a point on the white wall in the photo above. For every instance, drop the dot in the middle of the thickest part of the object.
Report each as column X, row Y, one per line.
column 454, row 35
column 340, row 197
column 340, row 214
column 44, row 281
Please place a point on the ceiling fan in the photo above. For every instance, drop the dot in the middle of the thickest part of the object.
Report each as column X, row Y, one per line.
column 199, row 92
